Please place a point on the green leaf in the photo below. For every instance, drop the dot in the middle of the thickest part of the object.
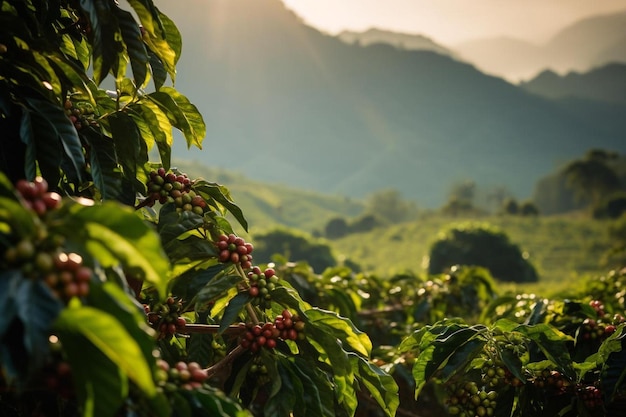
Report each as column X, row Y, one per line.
column 99, row 385
column 234, row 307
column 112, row 299
column 291, row 389
column 107, row 46
column 191, row 113
column 114, row 233
column 159, row 74
column 189, row 284
column 552, row 342
column 319, row 398
column 381, row 386
column 216, row 287
column 17, row 217
column 213, row 191
column 190, row 249
column 341, row 328
column 105, row 171
column 128, row 143
column 155, row 36
column 178, row 117
column 53, row 127
column 463, row 355
column 110, row 337
column 160, row 126
column 135, row 47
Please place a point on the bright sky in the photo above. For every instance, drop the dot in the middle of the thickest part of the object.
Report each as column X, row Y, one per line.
column 453, row 21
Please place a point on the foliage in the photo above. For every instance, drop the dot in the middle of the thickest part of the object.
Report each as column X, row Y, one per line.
column 482, row 246
column 123, row 285
column 389, row 206
column 294, row 247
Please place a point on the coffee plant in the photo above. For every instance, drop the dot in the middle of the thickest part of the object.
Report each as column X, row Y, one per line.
column 124, row 288
column 127, row 287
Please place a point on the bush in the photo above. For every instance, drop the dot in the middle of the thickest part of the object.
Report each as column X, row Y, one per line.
column 294, row 247
column 484, row 246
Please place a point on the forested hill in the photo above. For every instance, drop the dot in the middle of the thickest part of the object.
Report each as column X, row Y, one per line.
column 284, row 102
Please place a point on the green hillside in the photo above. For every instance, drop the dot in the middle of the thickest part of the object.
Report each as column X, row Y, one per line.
column 267, row 205
column 562, row 248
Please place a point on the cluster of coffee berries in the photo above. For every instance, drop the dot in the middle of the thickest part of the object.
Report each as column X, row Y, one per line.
column 256, row 336
column 165, row 318
column 261, row 286
column 166, row 187
column 187, row 376
column 512, row 342
column 80, row 113
column 466, row 399
column 493, row 373
column 68, row 277
column 234, row 249
column 291, row 326
column 590, row 396
column 35, row 195
column 602, row 327
column 551, row 381
column 258, row 371
column 64, row 273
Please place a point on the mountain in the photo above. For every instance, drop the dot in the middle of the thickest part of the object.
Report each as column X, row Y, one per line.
column 285, row 103
column 586, row 44
column 397, row 39
column 606, row 83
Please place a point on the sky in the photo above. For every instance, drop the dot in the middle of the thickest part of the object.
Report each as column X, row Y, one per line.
column 451, row 22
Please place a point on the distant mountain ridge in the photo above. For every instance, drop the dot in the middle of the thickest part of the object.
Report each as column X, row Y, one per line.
column 588, row 43
column 397, row 39
column 606, row 83
column 285, row 103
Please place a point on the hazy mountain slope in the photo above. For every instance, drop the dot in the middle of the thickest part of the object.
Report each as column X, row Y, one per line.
column 285, row 103
column 589, row 43
column 397, row 39
column 268, row 205
column 607, row 83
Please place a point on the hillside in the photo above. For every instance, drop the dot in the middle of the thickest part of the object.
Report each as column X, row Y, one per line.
column 606, row 83
column 561, row 248
column 285, row 103
column 270, row 205
column 586, row 44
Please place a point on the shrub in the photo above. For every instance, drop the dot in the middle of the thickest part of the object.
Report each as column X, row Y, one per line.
column 481, row 245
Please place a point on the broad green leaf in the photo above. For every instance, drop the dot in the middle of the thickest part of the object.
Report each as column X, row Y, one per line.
column 291, row 393
column 190, row 249
column 216, row 287
column 154, row 36
column 135, row 47
column 189, row 284
column 160, row 126
column 112, row 299
column 234, row 307
column 177, row 117
column 159, row 74
column 100, row 386
column 110, row 337
column 191, row 113
column 114, row 233
column 319, row 397
column 463, row 355
column 105, row 170
column 341, row 328
column 213, row 191
column 381, row 386
column 171, row 35
column 552, row 342
column 53, row 126
column 127, row 142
